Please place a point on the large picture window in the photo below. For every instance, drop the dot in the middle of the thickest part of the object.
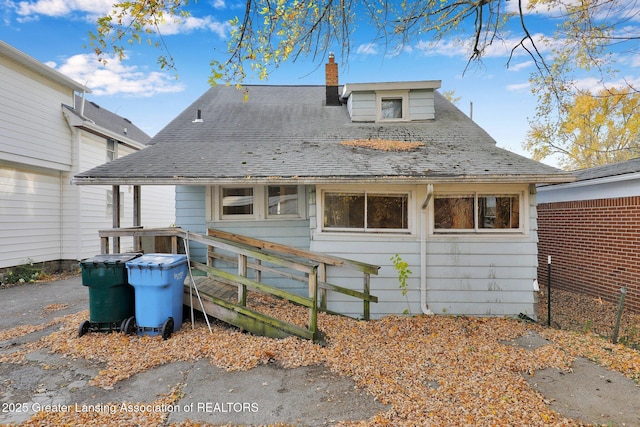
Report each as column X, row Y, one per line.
column 476, row 212
column 366, row 212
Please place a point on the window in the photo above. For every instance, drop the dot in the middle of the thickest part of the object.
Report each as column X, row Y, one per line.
column 391, row 108
column 282, row 200
column 111, row 150
column 366, row 212
column 392, row 105
column 476, row 212
column 237, row 201
column 110, row 203
column 259, row 202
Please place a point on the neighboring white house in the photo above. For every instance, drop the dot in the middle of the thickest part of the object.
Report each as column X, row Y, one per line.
column 48, row 133
column 364, row 172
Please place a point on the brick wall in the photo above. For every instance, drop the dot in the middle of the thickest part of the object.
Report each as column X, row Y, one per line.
column 594, row 246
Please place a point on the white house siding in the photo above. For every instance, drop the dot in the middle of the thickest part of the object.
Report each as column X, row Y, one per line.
column 35, row 155
column 158, row 210
column 490, row 275
column 30, row 212
column 362, row 106
column 385, row 285
column 422, row 105
column 34, row 132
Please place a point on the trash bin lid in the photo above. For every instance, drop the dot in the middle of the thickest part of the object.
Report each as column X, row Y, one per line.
column 109, row 259
column 157, row 260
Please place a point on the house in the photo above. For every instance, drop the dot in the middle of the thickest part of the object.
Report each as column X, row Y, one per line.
column 363, row 171
column 48, row 133
column 591, row 230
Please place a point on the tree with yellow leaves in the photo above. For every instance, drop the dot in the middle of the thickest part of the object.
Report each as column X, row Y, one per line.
column 593, row 130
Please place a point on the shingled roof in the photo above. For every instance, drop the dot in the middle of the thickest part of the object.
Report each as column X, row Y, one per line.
column 288, row 134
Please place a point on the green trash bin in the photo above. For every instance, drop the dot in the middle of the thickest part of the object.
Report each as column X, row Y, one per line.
column 111, row 297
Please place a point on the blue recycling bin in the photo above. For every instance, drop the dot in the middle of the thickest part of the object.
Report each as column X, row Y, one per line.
column 158, row 281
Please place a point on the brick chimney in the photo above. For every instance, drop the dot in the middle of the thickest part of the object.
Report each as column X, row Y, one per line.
column 331, row 74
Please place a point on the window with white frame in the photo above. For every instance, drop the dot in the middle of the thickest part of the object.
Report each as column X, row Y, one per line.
column 260, row 202
column 282, row 200
column 392, row 105
column 110, row 203
column 477, row 212
column 111, row 150
column 237, row 201
column 365, row 211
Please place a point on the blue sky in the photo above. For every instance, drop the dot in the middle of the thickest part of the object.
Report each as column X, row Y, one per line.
column 55, row 32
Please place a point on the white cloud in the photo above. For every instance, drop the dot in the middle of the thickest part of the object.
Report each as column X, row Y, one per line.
column 116, row 78
column 517, row 87
column 189, row 24
column 368, row 49
column 63, row 7
column 520, row 66
column 29, row 10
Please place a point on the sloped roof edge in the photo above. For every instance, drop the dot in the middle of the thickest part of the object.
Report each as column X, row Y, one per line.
column 40, row 68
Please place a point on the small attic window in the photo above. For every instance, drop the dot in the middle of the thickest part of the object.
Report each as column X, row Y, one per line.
column 392, row 106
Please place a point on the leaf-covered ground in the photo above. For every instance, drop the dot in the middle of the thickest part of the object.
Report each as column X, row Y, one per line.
column 430, row 370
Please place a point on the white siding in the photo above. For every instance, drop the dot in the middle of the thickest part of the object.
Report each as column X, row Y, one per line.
column 465, row 274
column 158, row 206
column 362, row 106
column 33, row 130
column 422, row 105
column 30, row 212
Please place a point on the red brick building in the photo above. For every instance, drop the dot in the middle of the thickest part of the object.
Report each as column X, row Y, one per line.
column 591, row 230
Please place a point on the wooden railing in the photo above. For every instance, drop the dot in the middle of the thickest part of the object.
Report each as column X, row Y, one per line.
column 241, row 255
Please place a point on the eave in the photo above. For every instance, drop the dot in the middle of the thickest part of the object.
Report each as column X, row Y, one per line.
column 471, row 179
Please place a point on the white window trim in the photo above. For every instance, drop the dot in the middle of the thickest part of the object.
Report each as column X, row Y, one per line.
column 395, row 94
column 483, row 190
column 260, row 205
column 114, row 151
column 301, row 203
column 411, row 210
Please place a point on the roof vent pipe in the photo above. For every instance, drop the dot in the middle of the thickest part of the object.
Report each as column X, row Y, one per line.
column 198, row 117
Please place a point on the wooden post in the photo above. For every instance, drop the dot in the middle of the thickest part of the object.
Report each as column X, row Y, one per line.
column 242, row 271
column 322, row 276
column 137, row 217
column 104, row 245
column 367, row 292
column 313, row 294
column 115, row 214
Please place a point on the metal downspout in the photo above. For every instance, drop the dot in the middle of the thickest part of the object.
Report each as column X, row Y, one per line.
column 423, row 251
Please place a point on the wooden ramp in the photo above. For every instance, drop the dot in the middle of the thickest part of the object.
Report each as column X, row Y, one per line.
column 220, row 300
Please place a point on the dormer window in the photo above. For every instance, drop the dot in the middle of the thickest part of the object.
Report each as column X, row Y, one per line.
column 392, row 106
column 391, row 102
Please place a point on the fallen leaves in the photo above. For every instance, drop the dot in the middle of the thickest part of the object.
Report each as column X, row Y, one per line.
column 431, row 370
column 383, row 144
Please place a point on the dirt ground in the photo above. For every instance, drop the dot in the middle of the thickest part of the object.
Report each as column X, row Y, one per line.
column 403, row 372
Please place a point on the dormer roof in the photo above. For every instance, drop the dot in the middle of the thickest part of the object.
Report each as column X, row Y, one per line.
column 390, row 86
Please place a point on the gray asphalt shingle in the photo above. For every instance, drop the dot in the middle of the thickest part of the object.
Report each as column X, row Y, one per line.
column 287, row 132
